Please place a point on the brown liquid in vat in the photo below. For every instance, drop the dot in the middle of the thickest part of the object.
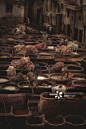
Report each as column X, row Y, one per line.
column 46, row 57
column 61, row 59
column 4, row 56
column 56, row 121
column 76, row 59
column 20, row 112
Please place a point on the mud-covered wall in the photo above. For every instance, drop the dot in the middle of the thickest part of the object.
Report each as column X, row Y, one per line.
column 37, row 11
column 14, row 15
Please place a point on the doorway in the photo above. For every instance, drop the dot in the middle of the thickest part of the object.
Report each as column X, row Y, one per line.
column 76, row 34
column 80, row 36
column 68, row 30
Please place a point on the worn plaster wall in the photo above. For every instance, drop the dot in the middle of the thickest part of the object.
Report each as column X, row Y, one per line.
column 79, row 23
column 14, row 17
column 37, row 6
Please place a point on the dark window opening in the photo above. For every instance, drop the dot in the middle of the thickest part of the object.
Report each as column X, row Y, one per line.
column 80, row 36
column 81, row 1
column 72, row 18
column 62, row 6
column 46, row 7
column 58, row 8
column 68, row 30
column 79, row 18
column 8, row 7
column 68, row 11
column 76, row 34
column 55, row 4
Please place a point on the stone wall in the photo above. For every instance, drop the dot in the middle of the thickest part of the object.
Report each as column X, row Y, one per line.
column 11, row 14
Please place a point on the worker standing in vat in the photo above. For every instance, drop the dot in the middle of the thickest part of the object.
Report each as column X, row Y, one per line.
column 45, row 38
column 64, row 70
column 32, row 83
column 36, row 71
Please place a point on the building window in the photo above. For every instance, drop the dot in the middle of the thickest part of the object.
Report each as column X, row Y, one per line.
column 79, row 18
column 68, row 11
column 62, row 6
column 71, row 30
column 8, row 7
column 72, row 18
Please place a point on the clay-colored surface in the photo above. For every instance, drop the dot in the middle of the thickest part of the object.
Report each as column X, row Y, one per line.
column 76, row 59
column 46, row 57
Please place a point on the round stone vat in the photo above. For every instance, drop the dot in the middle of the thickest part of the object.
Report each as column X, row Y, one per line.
column 24, row 87
column 75, row 69
column 70, row 62
column 74, row 54
column 42, row 78
column 35, row 122
column 44, row 69
column 9, row 88
column 43, row 87
column 54, row 122
column 4, row 56
column 61, row 59
column 46, row 57
column 76, row 59
column 57, row 77
column 75, row 122
column 4, row 79
column 79, row 83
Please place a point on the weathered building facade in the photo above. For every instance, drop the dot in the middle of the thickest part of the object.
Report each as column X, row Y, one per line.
column 73, row 18
column 12, row 12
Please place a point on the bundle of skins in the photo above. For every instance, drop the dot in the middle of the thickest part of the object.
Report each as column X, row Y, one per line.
column 57, row 66
column 30, row 49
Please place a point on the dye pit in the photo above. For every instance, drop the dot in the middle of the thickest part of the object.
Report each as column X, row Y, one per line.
column 2, row 80
column 11, row 88
column 20, row 112
column 55, row 121
column 80, row 84
column 41, row 77
column 76, row 59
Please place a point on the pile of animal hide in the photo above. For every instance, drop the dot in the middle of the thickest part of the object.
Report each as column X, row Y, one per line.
column 20, row 29
column 64, row 50
column 11, row 71
column 24, row 63
column 57, row 66
column 31, row 49
column 22, row 49
column 10, row 41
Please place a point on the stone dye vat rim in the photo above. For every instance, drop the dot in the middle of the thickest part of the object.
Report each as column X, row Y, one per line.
column 74, row 55
column 46, row 78
column 24, row 86
column 9, row 87
column 39, row 125
column 76, row 125
column 5, row 77
column 52, row 48
column 77, row 59
column 53, row 124
column 47, row 57
column 80, row 75
column 61, row 59
column 44, row 53
column 76, row 83
column 56, row 79
column 72, row 62
column 75, row 69
column 17, row 114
